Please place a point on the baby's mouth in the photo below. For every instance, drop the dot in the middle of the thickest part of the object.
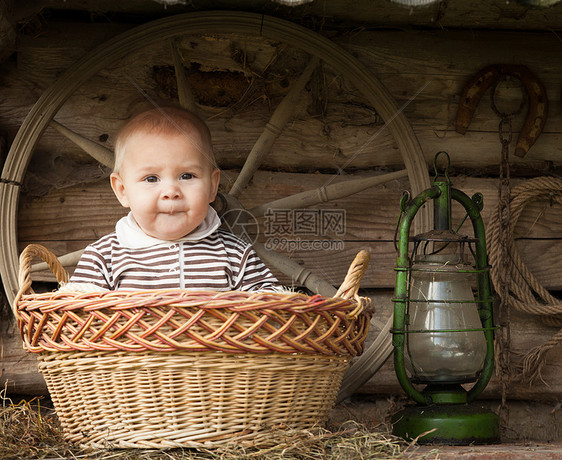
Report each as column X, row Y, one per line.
column 173, row 211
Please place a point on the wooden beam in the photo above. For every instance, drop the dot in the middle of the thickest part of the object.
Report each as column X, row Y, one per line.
column 62, row 222
column 445, row 59
column 478, row 14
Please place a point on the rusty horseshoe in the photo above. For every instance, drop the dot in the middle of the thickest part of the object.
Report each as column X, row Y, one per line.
column 536, row 93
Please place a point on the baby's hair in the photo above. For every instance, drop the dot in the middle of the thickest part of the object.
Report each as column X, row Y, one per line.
column 166, row 121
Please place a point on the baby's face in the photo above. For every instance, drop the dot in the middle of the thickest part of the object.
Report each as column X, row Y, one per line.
column 167, row 182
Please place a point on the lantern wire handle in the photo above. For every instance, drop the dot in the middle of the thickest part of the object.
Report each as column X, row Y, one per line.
column 446, row 169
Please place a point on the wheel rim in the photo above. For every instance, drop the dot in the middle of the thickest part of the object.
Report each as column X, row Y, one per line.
column 131, row 41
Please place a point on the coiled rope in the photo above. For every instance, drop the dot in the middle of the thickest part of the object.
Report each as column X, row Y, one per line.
column 525, row 292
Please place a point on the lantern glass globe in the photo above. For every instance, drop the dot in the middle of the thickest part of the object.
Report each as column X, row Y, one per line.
column 441, row 299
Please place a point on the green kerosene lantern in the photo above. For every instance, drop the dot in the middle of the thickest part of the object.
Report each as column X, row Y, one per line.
column 443, row 329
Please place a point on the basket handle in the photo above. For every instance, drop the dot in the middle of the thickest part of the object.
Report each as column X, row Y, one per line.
column 350, row 285
column 24, row 276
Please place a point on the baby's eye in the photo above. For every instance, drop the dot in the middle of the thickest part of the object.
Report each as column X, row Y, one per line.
column 186, row 176
column 151, row 179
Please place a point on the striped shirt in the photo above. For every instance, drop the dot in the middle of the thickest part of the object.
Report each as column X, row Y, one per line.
column 218, row 262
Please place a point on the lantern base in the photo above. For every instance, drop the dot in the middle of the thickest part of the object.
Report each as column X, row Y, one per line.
column 455, row 424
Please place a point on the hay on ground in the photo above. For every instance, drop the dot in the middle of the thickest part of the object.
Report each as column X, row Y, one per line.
column 30, row 429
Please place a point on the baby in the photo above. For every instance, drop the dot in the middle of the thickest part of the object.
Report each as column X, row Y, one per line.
column 165, row 173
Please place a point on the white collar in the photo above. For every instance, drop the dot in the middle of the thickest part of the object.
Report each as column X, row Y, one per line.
column 131, row 236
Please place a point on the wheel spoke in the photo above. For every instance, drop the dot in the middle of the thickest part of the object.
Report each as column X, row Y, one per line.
column 185, row 95
column 326, row 193
column 96, row 151
column 272, row 130
column 66, row 260
column 301, row 276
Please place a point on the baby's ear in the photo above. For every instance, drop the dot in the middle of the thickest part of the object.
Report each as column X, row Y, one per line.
column 215, row 180
column 119, row 189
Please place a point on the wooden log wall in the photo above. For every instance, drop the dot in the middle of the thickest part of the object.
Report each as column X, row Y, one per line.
column 424, row 71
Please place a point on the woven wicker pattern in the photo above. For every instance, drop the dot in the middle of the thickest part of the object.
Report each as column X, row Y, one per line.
column 176, row 368
column 183, row 399
column 235, row 322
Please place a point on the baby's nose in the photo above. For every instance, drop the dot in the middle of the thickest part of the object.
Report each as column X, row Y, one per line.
column 171, row 191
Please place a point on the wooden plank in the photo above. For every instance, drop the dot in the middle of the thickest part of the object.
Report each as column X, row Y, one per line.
column 7, row 31
column 494, row 14
column 19, row 369
column 62, row 222
column 453, row 53
column 477, row 14
column 43, row 60
column 62, row 215
column 57, row 213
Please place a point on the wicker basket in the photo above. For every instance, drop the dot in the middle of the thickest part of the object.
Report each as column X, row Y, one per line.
column 177, row 368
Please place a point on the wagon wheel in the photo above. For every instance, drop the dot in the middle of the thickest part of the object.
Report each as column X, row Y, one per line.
column 169, row 29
